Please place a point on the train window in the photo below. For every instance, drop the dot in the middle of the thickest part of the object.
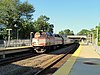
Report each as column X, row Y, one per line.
column 55, row 35
column 51, row 34
column 47, row 34
column 43, row 34
column 58, row 36
column 37, row 34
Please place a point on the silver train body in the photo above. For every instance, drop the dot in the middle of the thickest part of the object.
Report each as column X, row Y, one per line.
column 47, row 41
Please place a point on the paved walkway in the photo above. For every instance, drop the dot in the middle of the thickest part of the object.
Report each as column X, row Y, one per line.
column 85, row 61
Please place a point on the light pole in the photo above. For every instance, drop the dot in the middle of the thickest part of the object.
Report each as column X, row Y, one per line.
column 31, row 37
column 8, row 36
column 96, row 39
column 92, row 37
column 97, row 36
column 16, row 32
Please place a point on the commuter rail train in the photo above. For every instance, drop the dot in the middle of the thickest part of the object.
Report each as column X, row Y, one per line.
column 45, row 41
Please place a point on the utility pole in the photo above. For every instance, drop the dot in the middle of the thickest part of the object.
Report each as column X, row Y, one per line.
column 31, row 37
column 97, row 38
column 8, row 43
column 92, row 38
column 16, row 33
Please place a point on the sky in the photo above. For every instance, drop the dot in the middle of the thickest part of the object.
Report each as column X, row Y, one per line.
column 68, row 14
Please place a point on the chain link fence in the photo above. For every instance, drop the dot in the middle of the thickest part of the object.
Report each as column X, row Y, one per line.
column 15, row 43
column 96, row 46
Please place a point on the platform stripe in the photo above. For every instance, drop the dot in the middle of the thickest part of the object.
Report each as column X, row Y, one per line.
column 9, row 48
column 66, row 68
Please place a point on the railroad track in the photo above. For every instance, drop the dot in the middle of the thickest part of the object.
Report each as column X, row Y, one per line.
column 16, row 58
column 34, row 65
column 57, row 64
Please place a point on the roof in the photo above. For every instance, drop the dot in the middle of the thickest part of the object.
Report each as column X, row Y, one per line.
column 77, row 36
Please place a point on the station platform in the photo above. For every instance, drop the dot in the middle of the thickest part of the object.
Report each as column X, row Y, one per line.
column 9, row 50
column 85, row 61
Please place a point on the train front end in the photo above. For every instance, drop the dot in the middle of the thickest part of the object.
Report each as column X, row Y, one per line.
column 39, row 43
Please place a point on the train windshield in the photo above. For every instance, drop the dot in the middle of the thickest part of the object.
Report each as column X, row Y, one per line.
column 43, row 34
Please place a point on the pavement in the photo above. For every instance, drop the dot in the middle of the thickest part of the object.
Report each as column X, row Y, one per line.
column 85, row 61
column 11, row 48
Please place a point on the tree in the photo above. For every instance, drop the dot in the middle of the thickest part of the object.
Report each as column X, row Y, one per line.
column 3, row 32
column 26, row 28
column 25, row 13
column 25, row 10
column 95, row 32
column 41, row 24
column 66, row 32
column 8, row 12
column 61, row 32
column 84, row 32
column 50, row 28
column 13, row 12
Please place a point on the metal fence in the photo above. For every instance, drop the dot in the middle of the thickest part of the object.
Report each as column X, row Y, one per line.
column 97, row 49
column 15, row 43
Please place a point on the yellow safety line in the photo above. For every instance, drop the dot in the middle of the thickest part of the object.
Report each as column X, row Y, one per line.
column 17, row 47
column 66, row 68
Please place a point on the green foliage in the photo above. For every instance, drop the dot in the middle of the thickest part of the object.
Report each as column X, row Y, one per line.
column 26, row 28
column 66, row 32
column 25, row 10
column 50, row 28
column 99, row 43
column 92, row 32
column 3, row 33
column 18, row 17
column 13, row 12
column 41, row 24
column 61, row 32
column 8, row 12
column 84, row 32
column 95, row 32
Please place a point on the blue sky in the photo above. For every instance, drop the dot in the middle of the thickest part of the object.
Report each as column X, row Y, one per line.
column 68, row 14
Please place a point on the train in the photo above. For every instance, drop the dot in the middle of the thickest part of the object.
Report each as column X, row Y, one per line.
column 45, row 41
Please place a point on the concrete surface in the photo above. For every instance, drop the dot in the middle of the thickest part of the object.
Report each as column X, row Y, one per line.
column 85, row 61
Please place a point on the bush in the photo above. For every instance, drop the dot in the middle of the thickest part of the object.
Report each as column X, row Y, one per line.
column 98, row 43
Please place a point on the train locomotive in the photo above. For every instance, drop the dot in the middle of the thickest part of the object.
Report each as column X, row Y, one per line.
column 45, row 41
